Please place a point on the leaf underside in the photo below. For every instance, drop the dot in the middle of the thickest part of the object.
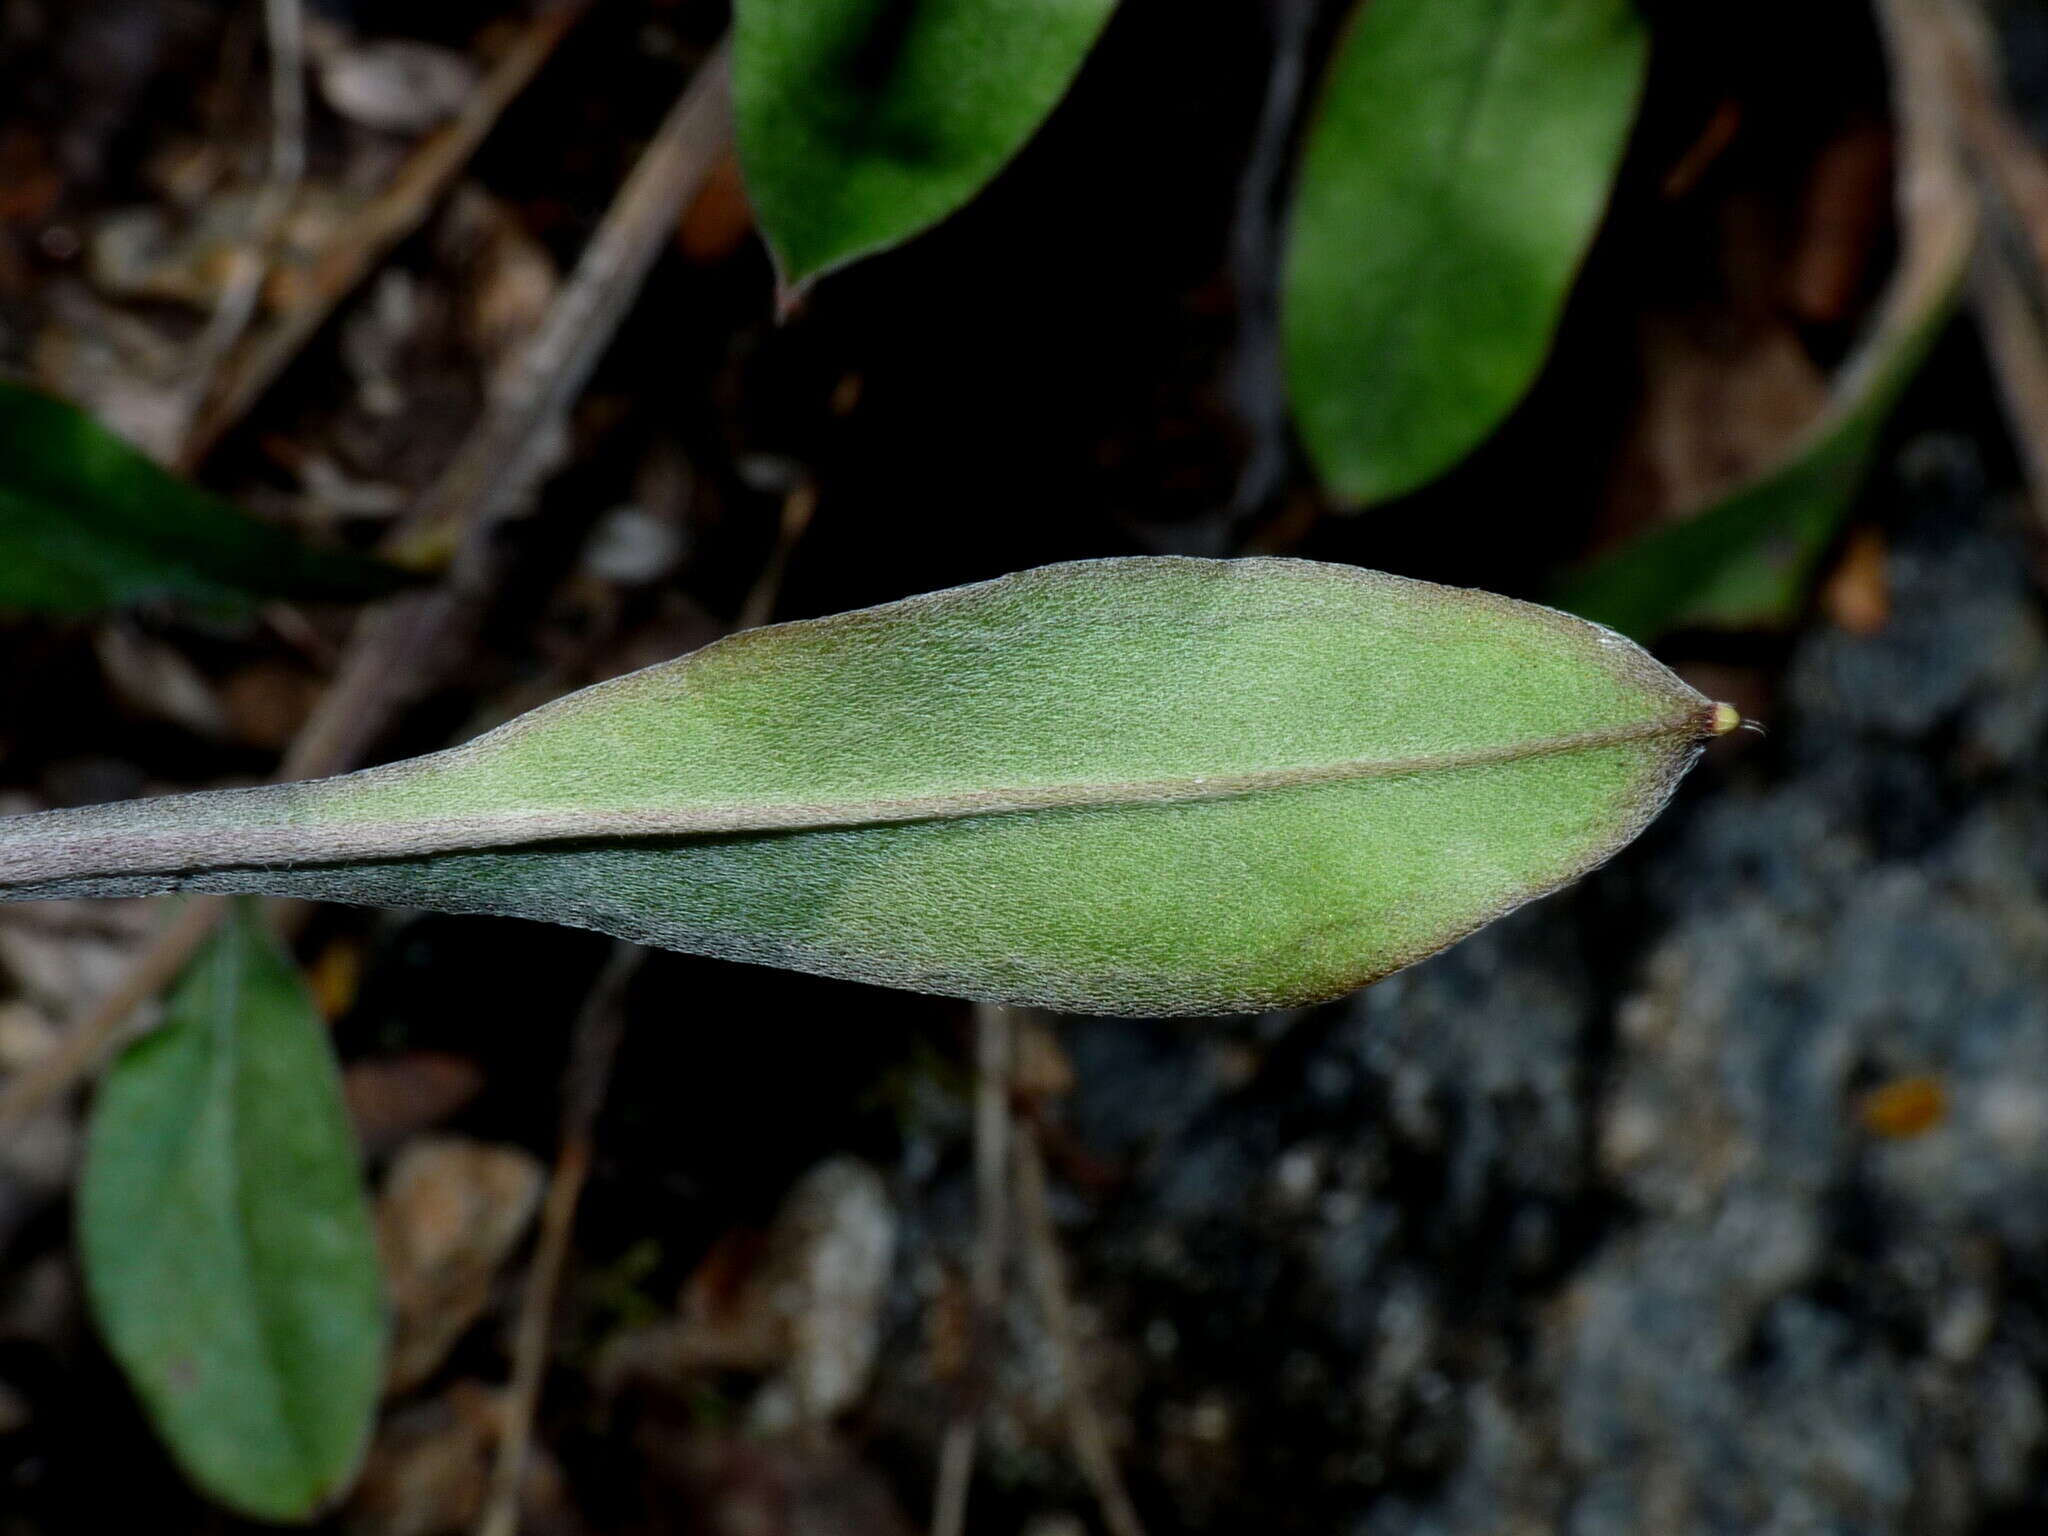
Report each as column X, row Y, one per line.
column 1148, row 786
column 227, row 1249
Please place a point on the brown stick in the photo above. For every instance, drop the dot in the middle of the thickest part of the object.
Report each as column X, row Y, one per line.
column 994, row 1047
column 285, row 35
column 395, row 214
column 80, row 1050
column 599, row 1028
column 1085, row 1432
column 497, row 464
column 2018, row 349
column 2009, row 286
column 2006, row 160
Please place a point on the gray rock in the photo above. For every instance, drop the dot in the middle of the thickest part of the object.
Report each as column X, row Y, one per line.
column 1586, row 1225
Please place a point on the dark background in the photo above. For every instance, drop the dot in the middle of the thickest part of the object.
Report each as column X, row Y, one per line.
column 1710, row 1196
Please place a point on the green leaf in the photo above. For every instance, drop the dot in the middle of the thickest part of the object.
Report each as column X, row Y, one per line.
column 1747, row 560
column 1452, row 181
column 1147, row 785
column 89, row 523
column 864, row 122
column 227, row 1248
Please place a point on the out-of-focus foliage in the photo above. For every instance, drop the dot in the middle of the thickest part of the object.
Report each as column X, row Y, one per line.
column 1456, row 170
column 862, row 124
column 89, row 523
column 1748, row 560
column 226, row 1243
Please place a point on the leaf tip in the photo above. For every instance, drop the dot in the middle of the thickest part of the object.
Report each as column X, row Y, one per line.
column 1726, row 718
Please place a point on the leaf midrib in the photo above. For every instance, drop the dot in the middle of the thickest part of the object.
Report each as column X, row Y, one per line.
column 320, row 840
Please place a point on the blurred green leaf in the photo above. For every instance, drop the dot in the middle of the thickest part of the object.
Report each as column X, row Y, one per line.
column 1453, row 178
column 1122, row 786
column 88, row 522
column 1747, row 560
column 227, row 1247
column 863, row 122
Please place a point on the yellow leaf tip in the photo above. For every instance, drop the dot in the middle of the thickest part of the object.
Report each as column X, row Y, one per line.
column 1726, row 718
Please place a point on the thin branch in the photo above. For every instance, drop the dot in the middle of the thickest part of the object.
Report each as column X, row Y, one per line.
column 499, row 464
column 994, row 1048
column 797, row 509
column 357, row 250
column 79, row 1053
column 594, row 1048
column 1254, row 382
column 284, row 25
column 2009, row 285
column 496, row 469
column 1085, row 1431
column 2017, row 345
column 956, row 1474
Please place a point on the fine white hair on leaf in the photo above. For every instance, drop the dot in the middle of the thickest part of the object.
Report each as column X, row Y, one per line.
column 1144, row 785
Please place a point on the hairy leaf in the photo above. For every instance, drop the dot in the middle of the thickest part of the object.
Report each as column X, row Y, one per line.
column 88, row 522
column 227, row 1248
column 863, row 122
column 1128, row 786
column 1452, row 181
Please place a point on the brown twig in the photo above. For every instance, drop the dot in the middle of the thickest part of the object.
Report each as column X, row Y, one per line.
column 401, row 648
column 2014, row 338
column 595, row 1046
column 497, row 467
column 2009, row 285
column 88, row 1041
column 500, row 462
column 994, row 1048
column 2008, row 164
column 797, row 508
column 285, row 34
column 396, row 212
column 1041, row 1245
